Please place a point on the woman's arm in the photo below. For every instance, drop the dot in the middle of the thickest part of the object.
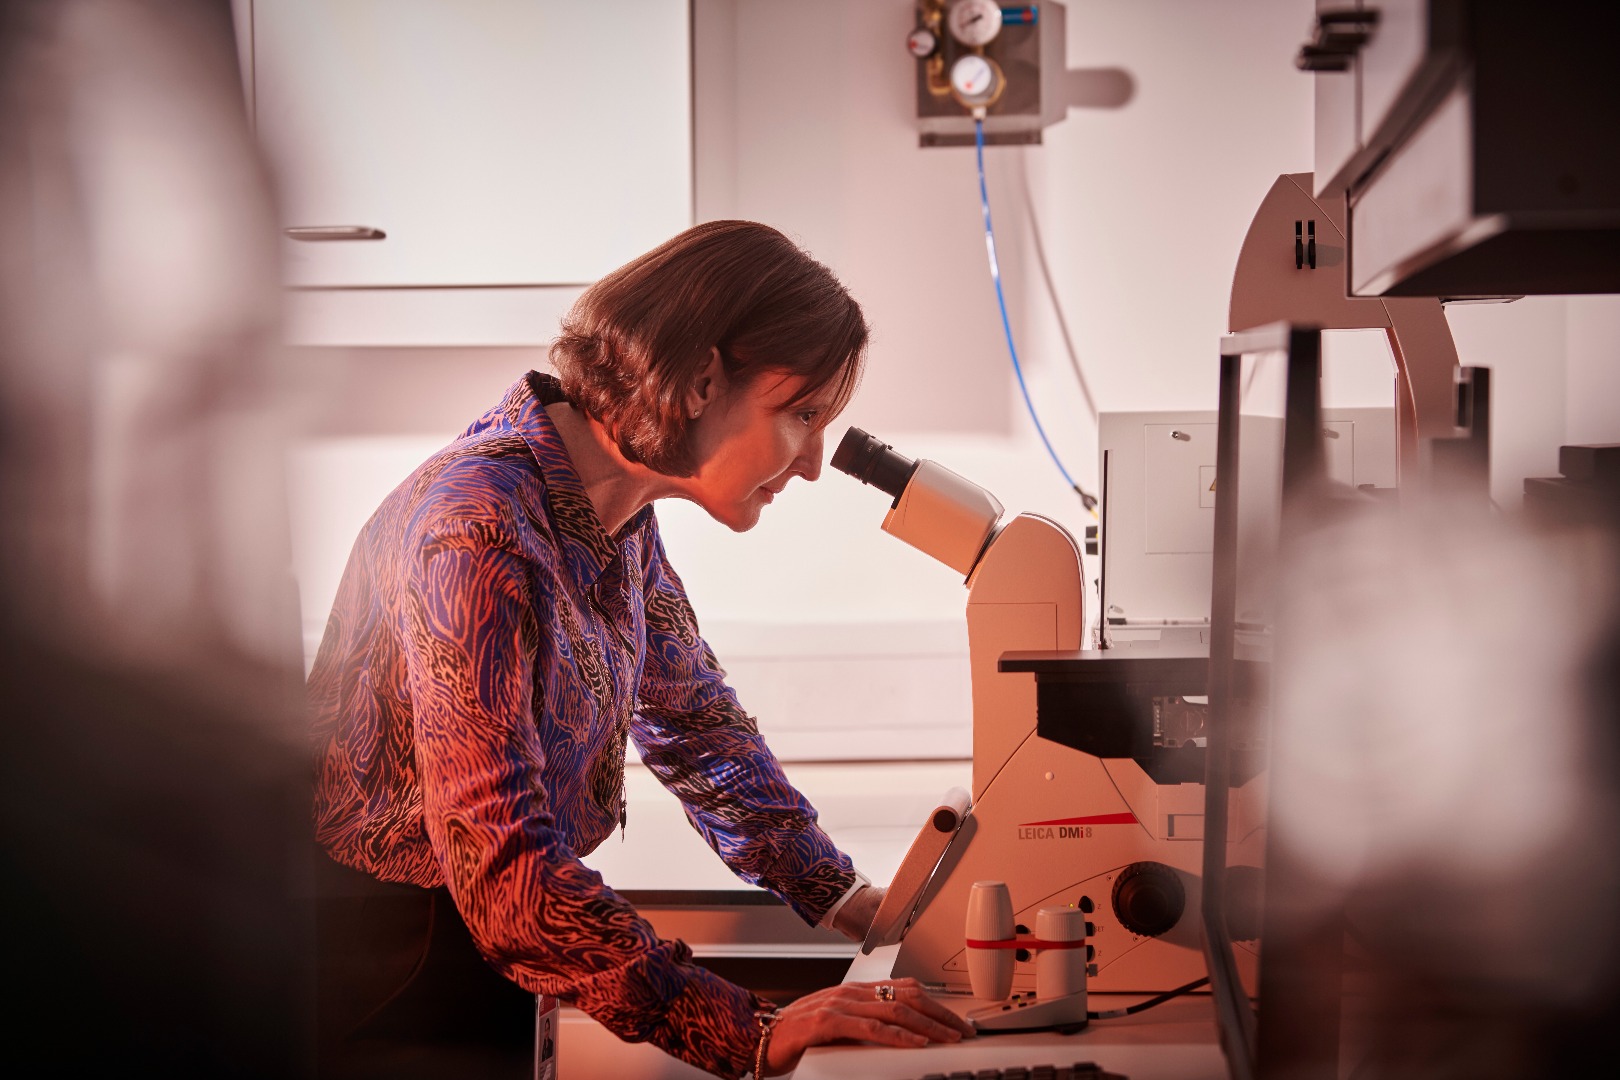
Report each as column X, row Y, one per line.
column 536, row 912
column 898, row 1012
column 703, row 747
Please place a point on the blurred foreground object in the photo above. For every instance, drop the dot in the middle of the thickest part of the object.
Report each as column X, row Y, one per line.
column 154, row 782
column 1585, row 493
column 1446, row 780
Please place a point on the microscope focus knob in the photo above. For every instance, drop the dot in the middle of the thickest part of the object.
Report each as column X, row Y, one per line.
column 1148, row 898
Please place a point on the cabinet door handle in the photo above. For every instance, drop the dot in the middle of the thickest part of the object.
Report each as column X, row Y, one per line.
column 334, row 232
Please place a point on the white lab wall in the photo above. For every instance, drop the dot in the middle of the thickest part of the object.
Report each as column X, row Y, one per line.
column 1184, row 113
column 1592, row 370
column 1555, row 371
column 1139, row 208
column 1523, row 343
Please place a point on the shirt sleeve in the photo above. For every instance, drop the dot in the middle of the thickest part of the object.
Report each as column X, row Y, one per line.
column 538, row 915
column 695, row 737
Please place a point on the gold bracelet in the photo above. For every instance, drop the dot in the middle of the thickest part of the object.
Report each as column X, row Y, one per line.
column 766, row 1018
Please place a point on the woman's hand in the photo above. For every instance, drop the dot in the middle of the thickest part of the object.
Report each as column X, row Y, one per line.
column 856, row 1011
column 855, row 917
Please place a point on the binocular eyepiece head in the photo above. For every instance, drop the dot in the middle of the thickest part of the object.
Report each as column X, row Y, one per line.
column 874, row 462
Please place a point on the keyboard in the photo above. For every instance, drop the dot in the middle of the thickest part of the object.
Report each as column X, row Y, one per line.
column 1080, row 1070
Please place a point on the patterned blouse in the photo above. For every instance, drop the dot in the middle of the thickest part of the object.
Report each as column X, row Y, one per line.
column 490, row 650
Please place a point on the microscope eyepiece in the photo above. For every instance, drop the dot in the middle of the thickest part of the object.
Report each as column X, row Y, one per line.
column 874, row 462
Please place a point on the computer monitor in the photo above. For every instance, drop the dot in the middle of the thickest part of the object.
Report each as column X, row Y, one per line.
column 1269, row 455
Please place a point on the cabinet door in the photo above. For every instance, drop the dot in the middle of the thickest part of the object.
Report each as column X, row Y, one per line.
column 494, row 142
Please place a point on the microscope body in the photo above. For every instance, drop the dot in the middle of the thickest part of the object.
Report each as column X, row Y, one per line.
column 1060, row 826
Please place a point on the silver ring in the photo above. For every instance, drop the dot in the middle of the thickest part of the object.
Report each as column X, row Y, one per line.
column 885, row 992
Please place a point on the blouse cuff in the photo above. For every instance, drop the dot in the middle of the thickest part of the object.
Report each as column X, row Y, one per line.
column 861, row 881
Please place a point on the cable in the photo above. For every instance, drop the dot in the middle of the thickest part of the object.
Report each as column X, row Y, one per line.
column 1131, row 1010
column 1108, row 1014
column 1051, row 290
column 1087, row 499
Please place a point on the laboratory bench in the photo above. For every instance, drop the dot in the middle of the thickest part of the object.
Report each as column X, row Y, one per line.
column 1173, row 1041
column 1176, row 1040
column 872, row 810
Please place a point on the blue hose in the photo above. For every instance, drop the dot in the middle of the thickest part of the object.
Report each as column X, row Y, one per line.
column 1006, row 324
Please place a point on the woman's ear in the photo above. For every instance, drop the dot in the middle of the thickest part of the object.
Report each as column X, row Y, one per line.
column 708, row 386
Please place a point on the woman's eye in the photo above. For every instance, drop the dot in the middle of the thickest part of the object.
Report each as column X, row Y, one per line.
column 808, row 416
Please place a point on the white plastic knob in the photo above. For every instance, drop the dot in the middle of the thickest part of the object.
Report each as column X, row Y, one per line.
column 990, row 918
column 1060, row 972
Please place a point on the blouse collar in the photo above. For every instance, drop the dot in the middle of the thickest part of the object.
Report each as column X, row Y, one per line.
column 584, row 541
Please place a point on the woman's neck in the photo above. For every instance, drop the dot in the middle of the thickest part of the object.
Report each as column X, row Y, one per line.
column 617, row 488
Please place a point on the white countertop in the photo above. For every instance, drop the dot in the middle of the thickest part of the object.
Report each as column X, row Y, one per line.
column 1173, row 1041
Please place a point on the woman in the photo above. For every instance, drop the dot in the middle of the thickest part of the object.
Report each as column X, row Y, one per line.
column 508, row 621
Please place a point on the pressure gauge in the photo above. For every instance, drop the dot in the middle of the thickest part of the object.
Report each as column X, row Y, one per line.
column 921, row 42
column 975, row 79
column 974, row 22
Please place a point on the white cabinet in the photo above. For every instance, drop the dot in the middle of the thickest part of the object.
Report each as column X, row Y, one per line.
column 493, row 142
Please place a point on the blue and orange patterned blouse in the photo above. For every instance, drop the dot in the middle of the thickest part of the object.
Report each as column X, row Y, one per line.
column 490, row 650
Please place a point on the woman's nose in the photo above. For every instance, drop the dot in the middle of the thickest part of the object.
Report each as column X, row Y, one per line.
column 809, row 462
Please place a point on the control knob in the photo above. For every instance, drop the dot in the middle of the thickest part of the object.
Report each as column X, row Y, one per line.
column 1148, row 898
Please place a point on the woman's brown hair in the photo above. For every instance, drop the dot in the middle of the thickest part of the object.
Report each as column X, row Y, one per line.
column 635, row 341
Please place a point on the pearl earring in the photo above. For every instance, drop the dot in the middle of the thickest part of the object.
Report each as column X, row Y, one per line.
column 697, row 413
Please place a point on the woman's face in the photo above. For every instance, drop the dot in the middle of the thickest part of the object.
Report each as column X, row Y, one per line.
column 750, row 442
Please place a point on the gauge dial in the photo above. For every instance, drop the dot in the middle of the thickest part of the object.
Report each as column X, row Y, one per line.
column 921, row 42
column 974, row 79
column 974, row 23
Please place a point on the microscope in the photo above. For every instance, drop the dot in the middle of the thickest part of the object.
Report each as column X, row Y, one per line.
column 1087, row 795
